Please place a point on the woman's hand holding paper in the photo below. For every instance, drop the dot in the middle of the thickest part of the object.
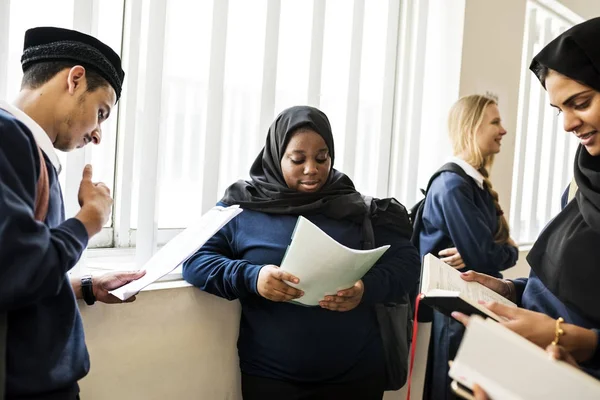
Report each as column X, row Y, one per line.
column 271, row 284
column 345, row 300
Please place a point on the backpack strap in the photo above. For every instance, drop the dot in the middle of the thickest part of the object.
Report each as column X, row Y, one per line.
column 448, row 167
column 417, row 210
column 42, row 193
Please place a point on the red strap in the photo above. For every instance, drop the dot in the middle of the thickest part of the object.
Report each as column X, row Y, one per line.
column 413, row 346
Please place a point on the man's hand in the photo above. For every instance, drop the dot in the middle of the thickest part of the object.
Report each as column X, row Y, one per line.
column 102, row 284
column 345, row 300
column 271, row 284
column 95, row 202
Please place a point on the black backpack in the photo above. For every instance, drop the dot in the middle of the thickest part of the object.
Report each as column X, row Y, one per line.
column 416, row 211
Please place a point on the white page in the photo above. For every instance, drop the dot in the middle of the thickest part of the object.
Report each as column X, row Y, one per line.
column 180, row 248
column 508, row 366
column 441, row 276
column 323, row 265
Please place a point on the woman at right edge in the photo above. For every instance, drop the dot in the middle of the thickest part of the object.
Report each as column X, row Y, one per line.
column 562, row 289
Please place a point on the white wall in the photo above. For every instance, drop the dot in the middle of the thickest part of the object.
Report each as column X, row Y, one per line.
column 168, row 344
column 491, row 61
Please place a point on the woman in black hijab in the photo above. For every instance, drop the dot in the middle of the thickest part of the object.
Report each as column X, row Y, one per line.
column 287, row 351
column 564, row 284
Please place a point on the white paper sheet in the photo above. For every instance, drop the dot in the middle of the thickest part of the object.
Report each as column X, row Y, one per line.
column 323, row 265
column 180, row 248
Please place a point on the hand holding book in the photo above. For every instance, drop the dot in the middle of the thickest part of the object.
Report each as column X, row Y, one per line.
column 507, row 366
column 539, row 329
column 444, row 289
column 503, row 287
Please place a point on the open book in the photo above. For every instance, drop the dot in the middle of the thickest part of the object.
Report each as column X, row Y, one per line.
column 323, row 265
column 444, row 290
column 180, row 248
column 508, row 366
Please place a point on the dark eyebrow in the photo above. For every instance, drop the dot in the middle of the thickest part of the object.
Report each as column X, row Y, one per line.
column 572, row 98
column 303, row 152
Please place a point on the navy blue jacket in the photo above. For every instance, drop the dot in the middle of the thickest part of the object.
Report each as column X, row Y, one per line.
column 45, row 343
column 459, row 214
column 291, row 342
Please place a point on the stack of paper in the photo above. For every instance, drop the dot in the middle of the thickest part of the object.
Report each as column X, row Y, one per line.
column 323, row 265
column 179, row 249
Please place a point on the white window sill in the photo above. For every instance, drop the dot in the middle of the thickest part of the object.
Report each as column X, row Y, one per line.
column 525, row 247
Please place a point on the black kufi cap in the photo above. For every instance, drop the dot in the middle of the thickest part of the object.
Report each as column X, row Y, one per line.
column 58, row 44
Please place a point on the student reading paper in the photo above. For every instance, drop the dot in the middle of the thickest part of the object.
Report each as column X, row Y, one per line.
column 286, row 351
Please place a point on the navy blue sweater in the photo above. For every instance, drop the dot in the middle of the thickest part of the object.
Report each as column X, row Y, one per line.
column 459, row 214
column 290, row 342
column 46, row 349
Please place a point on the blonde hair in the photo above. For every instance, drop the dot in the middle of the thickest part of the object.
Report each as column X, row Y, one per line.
column 464, row 120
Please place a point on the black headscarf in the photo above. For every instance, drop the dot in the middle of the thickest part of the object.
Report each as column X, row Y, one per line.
column 565, row 256
column 267, row 191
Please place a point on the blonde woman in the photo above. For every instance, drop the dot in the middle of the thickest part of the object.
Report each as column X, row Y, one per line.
column 463, row 221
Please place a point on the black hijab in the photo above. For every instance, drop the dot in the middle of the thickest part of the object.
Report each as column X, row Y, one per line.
column 565, row 255
column 267, row 191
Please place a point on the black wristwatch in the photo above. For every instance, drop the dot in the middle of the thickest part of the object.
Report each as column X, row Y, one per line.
column 86, row 290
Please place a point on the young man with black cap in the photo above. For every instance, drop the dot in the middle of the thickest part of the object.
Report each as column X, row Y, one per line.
column 71, row 82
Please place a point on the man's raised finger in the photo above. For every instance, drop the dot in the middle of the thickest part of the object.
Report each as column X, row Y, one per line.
column 87, row 173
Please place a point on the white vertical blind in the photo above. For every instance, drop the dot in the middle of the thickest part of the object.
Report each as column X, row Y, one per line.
column 409, row 101
column 543, row 161
column 316, row 53
column 4, row 32
column 353, row 92
column 149, row 188
column 123, row 195
column 270, row 62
